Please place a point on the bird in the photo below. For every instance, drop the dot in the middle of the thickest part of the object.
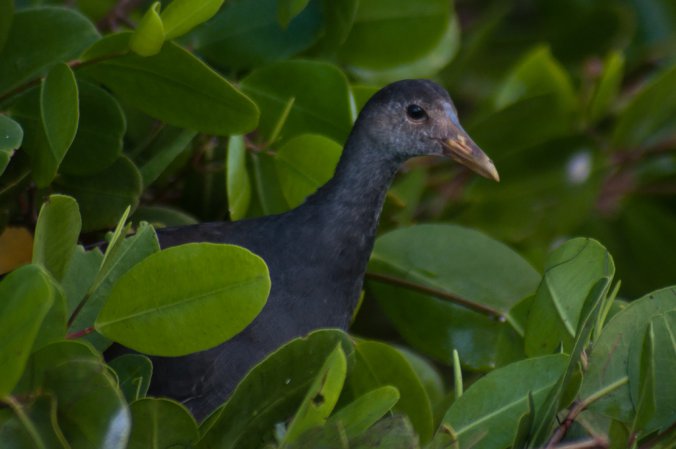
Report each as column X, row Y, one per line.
column 317, row 253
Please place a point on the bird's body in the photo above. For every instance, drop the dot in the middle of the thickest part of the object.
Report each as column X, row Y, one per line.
column 317, row 253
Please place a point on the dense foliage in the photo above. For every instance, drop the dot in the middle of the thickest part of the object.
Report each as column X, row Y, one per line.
column 508, row 328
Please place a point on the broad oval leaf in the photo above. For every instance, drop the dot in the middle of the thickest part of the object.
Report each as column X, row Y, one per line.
column 148, row 36
column 378, row 364
column 210, row 292
column 182, row 16
column 570, row 274
column 56, row 234
column 40, row 37
column 173, row 86
column 376, row 40
column 161, row 423
column 609, row 358
column 100, row 132
column 60, row 114
column 246, row 34
column 487, row 414
column 271, row 392
column 304, row 164
column 26, row 297
column 318, row 93
column 456, row 261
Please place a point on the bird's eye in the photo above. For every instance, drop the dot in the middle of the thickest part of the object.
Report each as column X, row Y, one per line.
column 415, row 112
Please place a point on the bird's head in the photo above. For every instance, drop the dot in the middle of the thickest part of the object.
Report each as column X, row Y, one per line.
column 417, row 118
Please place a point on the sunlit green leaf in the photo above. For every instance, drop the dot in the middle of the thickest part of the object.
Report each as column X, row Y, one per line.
column 184, row 287
column 181, row 16
column 365, row 411
column 488, row 412
column 148, row 36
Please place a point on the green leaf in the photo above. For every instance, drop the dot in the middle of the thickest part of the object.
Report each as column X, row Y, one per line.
column 7, row 8
column 646, row 400
column 271, row 392
column 103, row 196
column 246, row 34
column 79, row 274
column 610, row 356
column 456, row 261
column 173, row 86
column 288, row 9
column 56, row 234
column 60, row 112
column 39, row 38
column 570, row 274
column 100, row 133
column 566, row 388
column 425, row 66
column 148, row 37
column 92, row 411
column 133, row 373
column 305, row 163
column 181, row 16
column 608, row 86
column 379, row 364
column 537, row 73
column 487, row 414
column 377, row 42
column 338, row 21
column 362, row 413
column 648, row 113
column 184, row 287
column 11, row 136
column 169, row 144
column 321, row 99
column 321, row 397
column 161, row 423
column 651, row 361
column 26, row 298
column 238, row 184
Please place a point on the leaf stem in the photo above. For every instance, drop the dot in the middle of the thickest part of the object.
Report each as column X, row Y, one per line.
column 455, row 299
column 80, row 333
column 579, row 407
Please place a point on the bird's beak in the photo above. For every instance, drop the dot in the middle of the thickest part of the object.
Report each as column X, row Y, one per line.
column 462, row 149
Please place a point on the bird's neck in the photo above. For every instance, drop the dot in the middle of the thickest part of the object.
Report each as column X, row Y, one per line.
column 349, row 205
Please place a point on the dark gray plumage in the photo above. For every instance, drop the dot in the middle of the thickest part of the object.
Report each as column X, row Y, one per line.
column 317, row 253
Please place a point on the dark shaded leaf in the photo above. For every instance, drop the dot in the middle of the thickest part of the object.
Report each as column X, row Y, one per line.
column 161, row 423
column 133, row 374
